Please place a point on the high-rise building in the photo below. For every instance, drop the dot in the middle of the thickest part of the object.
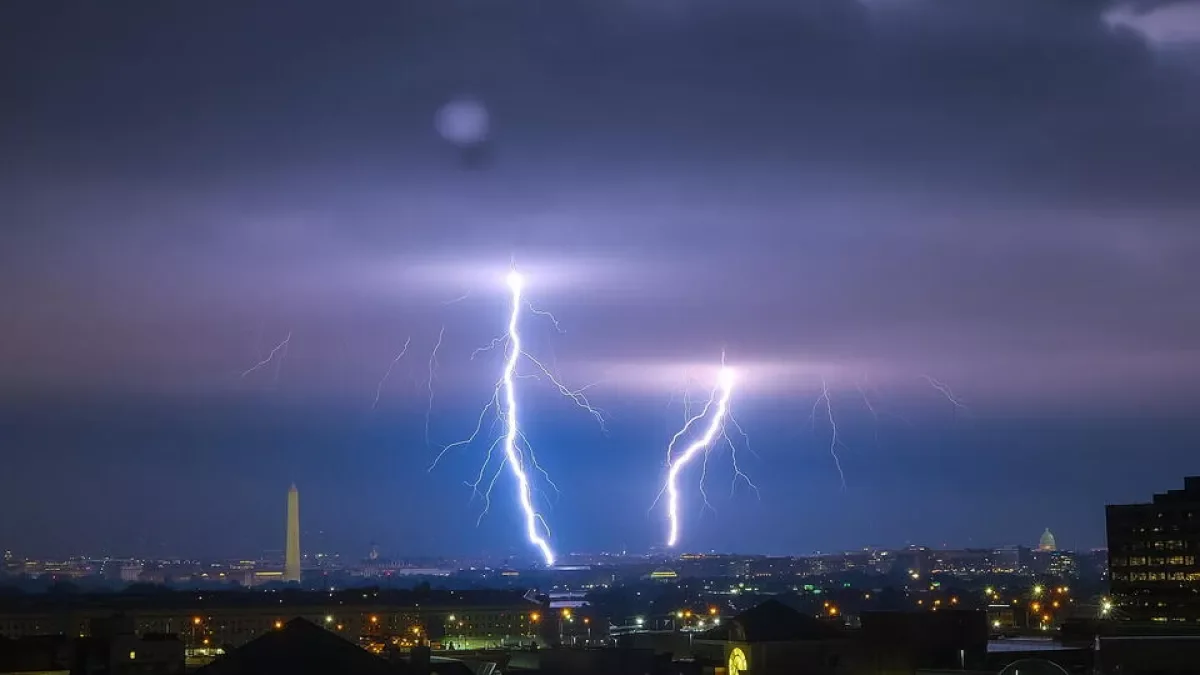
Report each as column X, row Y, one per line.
column 291, row 561
column 1152, row 551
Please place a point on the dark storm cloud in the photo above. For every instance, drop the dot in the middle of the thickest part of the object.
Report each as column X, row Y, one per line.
column 979, row 189
column 1000, row 193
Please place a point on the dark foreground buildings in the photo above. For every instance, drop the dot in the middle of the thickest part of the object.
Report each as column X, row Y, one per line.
column 227, row 619
column 1153, row 549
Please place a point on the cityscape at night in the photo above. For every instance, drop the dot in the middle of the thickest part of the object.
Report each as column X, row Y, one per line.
column 609, row 337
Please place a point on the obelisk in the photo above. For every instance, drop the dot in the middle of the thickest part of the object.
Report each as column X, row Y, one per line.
column 291, row 562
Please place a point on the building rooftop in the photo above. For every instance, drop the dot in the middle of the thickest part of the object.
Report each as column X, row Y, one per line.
column 300, row 648
column 772, row 621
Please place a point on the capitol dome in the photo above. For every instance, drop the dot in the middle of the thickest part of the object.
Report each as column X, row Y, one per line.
column 1046, row 543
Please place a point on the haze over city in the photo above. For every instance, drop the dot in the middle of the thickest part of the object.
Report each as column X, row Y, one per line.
column 863, row 194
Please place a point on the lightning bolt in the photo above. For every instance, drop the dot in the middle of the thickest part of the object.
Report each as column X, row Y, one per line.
column 834, row 439
column 281, row 347
column 388, row 373
column 432, row 369
column 715, row 429
column 516, row 453
column 512, row 452
column 946, row 391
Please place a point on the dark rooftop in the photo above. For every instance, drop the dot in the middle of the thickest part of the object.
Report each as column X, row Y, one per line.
column 300, row 648
column 772, row 621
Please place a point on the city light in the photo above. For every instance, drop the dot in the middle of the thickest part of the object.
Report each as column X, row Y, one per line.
column 328, row 619
column 535, row 617
column 1037, row 590
column 196, row 621
column 278, row 624
column 639, row 621
column 451, row 618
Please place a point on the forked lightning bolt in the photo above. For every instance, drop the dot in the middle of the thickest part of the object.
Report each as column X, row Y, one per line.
column 517, row 454
column 512, row 429
column 714, row 430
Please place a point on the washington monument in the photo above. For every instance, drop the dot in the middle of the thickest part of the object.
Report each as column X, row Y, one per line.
column 291, row 562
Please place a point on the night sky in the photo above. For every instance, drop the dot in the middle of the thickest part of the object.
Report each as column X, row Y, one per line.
column 998, row 194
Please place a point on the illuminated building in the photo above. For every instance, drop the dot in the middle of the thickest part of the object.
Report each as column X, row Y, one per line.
column 1046, row 542
column 1152, row 556
column 291, row 564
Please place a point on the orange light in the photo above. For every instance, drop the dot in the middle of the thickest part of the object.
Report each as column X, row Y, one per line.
column 535, row 617
column 416, row 630
column 833, row 611
column 279, row 624
column 1046, row 618
column 566, row 613
column 687, row 614
column 954, row 601
column 1055, row 604
column 374, row 619
column 205, row 640
column 587, row 620
column 1037, row 606
column 712, row 611
column 196, row 620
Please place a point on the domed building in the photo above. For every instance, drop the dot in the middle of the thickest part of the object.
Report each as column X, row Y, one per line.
column 1046, row 543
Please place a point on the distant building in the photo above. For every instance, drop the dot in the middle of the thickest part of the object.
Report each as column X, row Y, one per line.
column 291, row 564
column 1152, row 551
column 1046, row 543
column 1012, row 560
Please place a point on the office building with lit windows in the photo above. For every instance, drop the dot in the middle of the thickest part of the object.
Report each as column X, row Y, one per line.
column 1153, row 548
